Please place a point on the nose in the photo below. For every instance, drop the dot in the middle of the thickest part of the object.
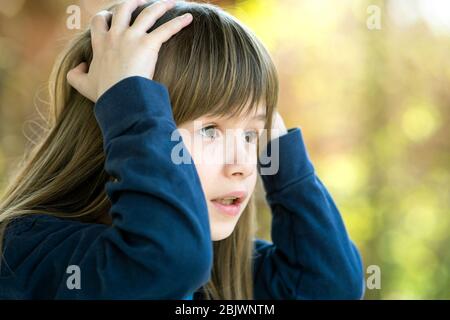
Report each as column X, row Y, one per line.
column 240, row 158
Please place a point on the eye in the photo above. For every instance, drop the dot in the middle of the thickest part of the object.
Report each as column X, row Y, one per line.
column 210, row 132
column 251, row 136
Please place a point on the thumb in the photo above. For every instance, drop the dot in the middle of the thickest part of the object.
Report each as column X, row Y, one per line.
column 77, row 77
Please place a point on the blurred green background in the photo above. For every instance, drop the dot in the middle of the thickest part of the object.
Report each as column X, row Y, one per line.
column 367, row 81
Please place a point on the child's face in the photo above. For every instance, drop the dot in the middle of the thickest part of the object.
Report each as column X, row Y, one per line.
column 224, row 152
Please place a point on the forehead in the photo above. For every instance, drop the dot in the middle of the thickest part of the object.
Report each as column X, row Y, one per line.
column 255, row 114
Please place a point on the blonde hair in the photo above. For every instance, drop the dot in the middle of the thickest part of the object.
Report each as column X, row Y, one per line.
column 214, row 66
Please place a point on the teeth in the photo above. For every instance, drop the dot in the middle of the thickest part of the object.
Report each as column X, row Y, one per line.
column 227, row 200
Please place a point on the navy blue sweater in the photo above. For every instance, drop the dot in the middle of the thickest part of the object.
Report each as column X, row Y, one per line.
column 159, row 245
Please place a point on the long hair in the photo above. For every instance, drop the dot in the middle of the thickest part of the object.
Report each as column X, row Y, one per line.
column 214, row 66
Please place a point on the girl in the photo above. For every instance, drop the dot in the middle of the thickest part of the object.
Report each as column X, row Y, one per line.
column 103, row 208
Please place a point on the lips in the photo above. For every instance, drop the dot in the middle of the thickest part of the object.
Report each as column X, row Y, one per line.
column 230, row 203
column 232, row 197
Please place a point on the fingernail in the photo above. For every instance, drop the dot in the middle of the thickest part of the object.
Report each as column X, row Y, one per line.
column 186, row 16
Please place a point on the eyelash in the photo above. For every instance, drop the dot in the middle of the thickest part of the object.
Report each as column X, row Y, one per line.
column 255, row 136
column 206, row 128
column 215, row 127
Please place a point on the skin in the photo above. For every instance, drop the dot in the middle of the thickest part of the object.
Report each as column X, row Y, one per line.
column 224, row 155
column 219, row 168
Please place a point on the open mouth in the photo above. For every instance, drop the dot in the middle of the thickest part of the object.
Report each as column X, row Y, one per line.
column 228, row 201
column 230, row 204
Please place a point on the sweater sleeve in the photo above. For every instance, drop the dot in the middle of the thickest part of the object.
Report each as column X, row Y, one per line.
column 311, row 256
column 159, row 245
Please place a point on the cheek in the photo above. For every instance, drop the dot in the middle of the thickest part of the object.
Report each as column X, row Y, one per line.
column 208, row 176
column 252, row 181
column 205, row 158
column 206, row 166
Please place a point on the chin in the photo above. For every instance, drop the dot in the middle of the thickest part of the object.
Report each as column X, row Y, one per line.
column 221, row 226
column 218, row 234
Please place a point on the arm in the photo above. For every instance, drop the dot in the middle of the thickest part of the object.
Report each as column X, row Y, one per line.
column 159, row 245
column 311, row 256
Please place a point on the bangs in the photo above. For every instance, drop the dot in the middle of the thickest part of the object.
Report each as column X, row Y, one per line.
column 239, row 75
column 217, row 67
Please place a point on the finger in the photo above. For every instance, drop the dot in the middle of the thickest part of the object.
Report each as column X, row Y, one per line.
column 77, row 77
column 122, row 14
column 168, row 29
column 99, row 24
column 147, row 18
